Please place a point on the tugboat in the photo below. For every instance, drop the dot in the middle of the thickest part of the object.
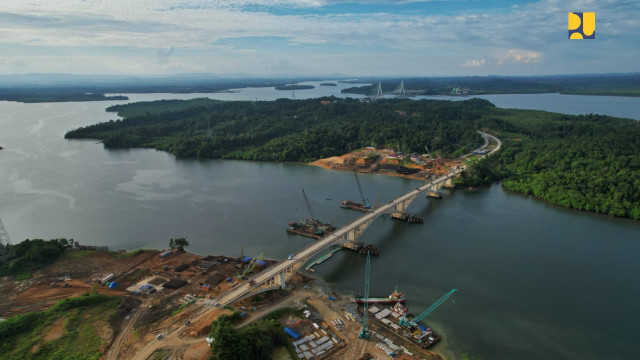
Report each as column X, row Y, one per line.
column 394, row 298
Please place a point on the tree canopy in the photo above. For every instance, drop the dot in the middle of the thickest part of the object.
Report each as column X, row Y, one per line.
column 179, row 243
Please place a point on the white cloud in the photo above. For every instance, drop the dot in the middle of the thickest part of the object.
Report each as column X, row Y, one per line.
column 523, row 35
column 520, row 56
column 475, row 63
column 162, row 55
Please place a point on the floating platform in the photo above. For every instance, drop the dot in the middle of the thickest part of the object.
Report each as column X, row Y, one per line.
column 308, row 233
column 348, row 204
column 389, row 320
column 321, row 259
column 312, row 228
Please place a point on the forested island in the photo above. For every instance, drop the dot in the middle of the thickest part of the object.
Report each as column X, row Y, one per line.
column 54, row 95
column 599, row 84
column 328, row 84
column 295, row 87
column 32, row 88
column 589, row 162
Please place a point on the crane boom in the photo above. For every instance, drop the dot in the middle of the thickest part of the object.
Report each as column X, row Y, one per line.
column 429, row 310
column 364, row 333
column 364, row 200
column 306, row 199
column 428, row 153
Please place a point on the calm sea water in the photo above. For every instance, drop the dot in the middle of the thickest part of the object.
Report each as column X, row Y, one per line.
column 536, row 281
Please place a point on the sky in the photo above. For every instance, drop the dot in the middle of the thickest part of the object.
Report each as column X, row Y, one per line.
column 315, row 37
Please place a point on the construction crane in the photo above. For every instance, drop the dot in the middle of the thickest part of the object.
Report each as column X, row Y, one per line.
column 249, row 268
column 306, row 200
column 364, row 333
column 410, row 323
column 428, row 153
column 435, row 161
column 364, row 200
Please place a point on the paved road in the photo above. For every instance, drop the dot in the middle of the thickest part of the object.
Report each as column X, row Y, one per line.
column 306, row 253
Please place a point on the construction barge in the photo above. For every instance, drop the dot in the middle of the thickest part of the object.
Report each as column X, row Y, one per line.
column 393, row 318
column 393, row 298
column 348, row 204
column 312, row 228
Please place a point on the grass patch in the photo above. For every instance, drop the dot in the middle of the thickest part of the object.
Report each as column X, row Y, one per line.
column 77, row 254
column 23, row 336
column 23, row 276
column 182, row 307
column 136, row 275
column 160, row 354
column 129, row 254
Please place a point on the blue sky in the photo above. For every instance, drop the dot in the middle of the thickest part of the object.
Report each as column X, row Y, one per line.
column 315, row 37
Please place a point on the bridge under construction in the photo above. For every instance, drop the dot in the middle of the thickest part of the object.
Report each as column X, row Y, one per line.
column 277, row 276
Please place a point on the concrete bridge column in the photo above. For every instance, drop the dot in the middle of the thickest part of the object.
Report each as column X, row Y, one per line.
column 403, row 205
column 354, row 234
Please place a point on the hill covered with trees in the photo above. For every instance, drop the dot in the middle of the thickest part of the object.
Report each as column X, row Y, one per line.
column 588, row 162
column 289, row 130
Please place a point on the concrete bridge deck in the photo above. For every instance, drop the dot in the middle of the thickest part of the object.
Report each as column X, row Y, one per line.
column 290, row 266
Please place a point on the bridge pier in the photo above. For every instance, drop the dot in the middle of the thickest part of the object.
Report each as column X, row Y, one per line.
column 352, row 236
column 449, row 184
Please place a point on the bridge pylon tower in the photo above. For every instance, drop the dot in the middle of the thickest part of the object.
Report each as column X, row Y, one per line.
column 401, row 92
column 379, row 91
column 4, row 236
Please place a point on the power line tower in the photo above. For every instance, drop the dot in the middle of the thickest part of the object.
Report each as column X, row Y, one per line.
column 364, row 333
column 4, row 236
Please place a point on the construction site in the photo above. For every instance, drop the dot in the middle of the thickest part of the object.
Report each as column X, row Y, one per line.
column 387, row 161
column 167, row 309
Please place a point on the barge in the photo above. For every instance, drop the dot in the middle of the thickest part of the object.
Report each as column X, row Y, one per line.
column 348, row 204
column 390, row 318
column 312, row 228
column 395, row 297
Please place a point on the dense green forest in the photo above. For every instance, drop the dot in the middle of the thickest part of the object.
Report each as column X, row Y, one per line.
column 588, row 162
column 288, row 130
column 29, row 255
column 612, row 84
